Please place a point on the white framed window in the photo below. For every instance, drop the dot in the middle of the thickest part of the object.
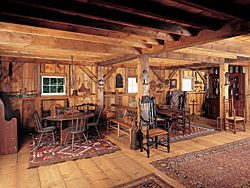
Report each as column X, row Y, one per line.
column 132, row 85
column 53, row 85
column 187, row 84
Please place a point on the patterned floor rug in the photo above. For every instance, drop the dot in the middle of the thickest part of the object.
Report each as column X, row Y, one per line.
column 196, row 131
column 151, row 180
column 222, row 166
column 49, row 154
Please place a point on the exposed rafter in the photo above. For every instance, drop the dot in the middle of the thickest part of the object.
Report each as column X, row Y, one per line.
column 222, row 7
column 79, row 10
column 229, row 30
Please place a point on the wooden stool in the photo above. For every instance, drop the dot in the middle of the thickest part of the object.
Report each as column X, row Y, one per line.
column 219, row 123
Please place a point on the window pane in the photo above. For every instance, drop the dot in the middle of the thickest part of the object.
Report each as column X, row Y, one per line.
column 53, row 89
column 60, row 89
column 187, row 84
column 53, row 81
column 53, row 85
column 132, row 85
column 61, row 81
column 45, row 81
column 45, row 89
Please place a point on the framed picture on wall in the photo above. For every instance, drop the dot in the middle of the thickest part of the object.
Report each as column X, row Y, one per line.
column 173, row 83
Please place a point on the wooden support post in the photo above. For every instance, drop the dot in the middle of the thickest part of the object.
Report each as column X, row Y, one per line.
column 180, row 79
column 99, row 89
column 143, row 90
column 39, row 79
column 246, row 69
column 164, row 88
column 223, row 88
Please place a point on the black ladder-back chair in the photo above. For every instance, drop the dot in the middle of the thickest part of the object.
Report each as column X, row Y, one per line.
column 182, row 119
column 61, row 110
column 96, row 121
column 148, row 126
column 41, row 129
column 78, row 126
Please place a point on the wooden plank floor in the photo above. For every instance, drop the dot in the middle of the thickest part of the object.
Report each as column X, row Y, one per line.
column 102, row 171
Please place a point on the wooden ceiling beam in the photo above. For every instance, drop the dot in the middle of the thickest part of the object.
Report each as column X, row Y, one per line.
column 41, row 61
column 189, row 66
column 117, row 60
column 235, row 42
column 35, row 41
column 222, row 7
column 63, row 53
column 91, row 27
column 226, row 49
column 53, row 54
column 157, row 11
column 199, row 51
column 228, row 30
column 188, row 57
column 238, row 60
column 68, row 35
column 79, row 11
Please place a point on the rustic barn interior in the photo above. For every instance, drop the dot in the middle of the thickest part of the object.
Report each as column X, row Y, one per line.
column 112, row 54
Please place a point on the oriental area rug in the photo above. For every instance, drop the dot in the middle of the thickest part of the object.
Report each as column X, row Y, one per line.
column 48, row 154
column 221, row 166
column 150, row 180
column 195, row 131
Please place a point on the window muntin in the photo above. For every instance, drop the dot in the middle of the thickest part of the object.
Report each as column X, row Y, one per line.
column 53, row 85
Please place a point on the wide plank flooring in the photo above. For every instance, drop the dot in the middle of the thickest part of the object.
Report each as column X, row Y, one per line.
column 102, row 171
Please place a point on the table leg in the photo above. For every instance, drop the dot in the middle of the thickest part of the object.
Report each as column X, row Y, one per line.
column 61, row 140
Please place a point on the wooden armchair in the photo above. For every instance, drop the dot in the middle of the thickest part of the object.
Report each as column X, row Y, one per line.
column 148, row 126
column 231, row 119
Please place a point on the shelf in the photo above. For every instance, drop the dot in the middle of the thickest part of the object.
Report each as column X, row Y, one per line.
column 50, row 97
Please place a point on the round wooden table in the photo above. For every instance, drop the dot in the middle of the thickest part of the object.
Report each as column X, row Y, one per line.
column 63, row 117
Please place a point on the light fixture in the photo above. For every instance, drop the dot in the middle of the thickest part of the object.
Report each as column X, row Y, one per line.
column 227, row 81
column 101, row 82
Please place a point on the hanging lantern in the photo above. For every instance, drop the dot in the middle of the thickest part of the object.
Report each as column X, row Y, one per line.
column 101, row 82
column 227, row 81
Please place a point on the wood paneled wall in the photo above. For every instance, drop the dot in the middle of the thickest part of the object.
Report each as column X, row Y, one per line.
column 27, row 76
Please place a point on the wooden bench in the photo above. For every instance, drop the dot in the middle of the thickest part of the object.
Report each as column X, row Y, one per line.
column 124, row 120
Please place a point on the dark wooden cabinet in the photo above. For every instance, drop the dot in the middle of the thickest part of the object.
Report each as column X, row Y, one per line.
column 236, row 90
column 213, row 108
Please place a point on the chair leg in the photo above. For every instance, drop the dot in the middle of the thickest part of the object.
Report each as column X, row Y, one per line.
column 66, row 138
column 156, row 142
column 234, row 127
column 85, row 138
column 39, row 141
column 244, row 124
column 148, row 146
column 168, row 137
column 184, row 124
column 73, row 139
column 87, row 131
column 97, row 132
column 53, row 138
